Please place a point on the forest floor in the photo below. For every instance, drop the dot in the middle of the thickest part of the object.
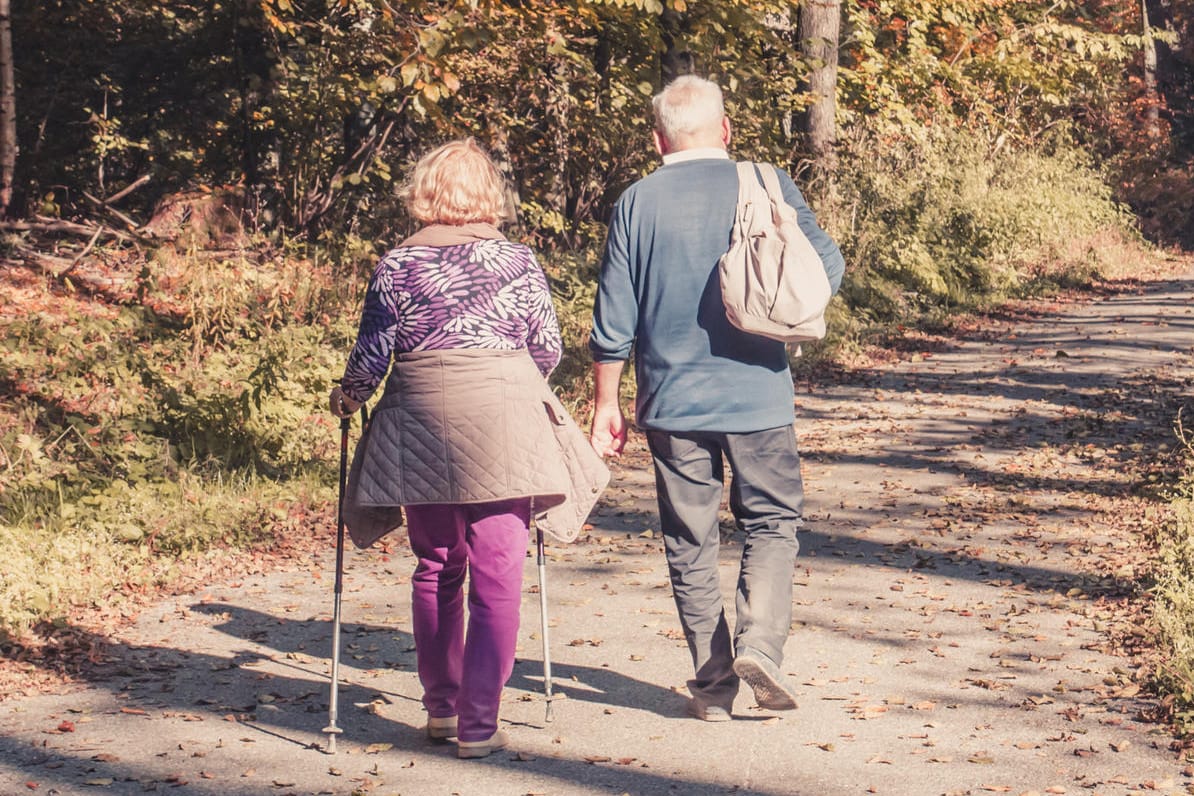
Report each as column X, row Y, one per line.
column 970, row 611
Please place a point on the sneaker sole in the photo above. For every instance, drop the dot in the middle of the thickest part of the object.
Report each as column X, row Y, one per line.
column 768, row 693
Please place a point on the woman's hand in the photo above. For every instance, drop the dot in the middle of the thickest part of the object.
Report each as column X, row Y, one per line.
column 341, row 404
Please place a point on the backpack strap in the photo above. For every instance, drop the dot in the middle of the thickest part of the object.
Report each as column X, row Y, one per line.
column 771, row 183
column 746, row 173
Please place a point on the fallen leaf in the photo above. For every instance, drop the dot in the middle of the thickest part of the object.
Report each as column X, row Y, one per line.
column 66, row 726
column 378, row 748
column 596, row 759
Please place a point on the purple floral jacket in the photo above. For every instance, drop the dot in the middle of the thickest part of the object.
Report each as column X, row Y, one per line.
column 483, row 294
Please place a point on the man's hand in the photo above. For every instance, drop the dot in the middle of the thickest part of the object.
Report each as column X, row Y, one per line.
column 341, row 405
column 608, row 434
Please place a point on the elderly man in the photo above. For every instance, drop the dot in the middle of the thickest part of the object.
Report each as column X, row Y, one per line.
column 708, row 394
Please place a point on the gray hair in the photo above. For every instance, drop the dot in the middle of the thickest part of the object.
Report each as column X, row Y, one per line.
column 688, row 106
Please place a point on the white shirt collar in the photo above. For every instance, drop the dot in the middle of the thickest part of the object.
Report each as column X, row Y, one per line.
column 695, row 154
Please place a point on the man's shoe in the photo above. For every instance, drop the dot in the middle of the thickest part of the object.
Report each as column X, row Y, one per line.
column 707, row 712
column 771, row 692
column 441, row 728
column 471, row 750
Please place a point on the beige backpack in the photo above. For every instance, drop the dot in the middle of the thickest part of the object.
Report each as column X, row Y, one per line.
column 773, row 282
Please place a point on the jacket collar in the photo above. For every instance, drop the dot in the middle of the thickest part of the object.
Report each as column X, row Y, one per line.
column 453, row 235
column 701, row 153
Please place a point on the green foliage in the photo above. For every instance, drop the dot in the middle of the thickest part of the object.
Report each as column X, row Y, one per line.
column 573, row 281
column 1011, row 69
column 939, row 221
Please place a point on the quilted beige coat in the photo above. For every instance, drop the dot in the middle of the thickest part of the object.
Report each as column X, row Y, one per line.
column 470, row 426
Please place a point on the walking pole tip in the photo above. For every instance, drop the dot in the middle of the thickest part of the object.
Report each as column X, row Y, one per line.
column 332, row 731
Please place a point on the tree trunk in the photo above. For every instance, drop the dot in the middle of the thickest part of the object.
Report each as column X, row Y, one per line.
column 820, row 26
column 1152, row 109
column 8, row 109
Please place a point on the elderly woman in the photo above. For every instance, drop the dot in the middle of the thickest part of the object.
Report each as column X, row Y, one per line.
column 467, row 437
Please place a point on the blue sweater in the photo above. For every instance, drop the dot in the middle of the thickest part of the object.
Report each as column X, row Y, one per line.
column 659, row 294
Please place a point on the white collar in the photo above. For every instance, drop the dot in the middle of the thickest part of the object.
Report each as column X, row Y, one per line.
column 695, row 154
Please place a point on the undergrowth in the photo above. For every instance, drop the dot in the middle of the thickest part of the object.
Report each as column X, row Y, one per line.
column 945, row 223
column 1173, row 603
column 134, row 434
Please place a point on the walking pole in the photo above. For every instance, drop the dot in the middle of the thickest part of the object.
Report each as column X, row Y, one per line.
column 333, row 700
column 543, row 613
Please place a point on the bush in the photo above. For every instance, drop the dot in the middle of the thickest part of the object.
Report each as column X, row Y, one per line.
column 1173, row 600
column 939, row 220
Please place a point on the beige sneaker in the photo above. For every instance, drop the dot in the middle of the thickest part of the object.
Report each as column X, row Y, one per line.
column 772, row 690
column 441, row 728
column 468, row 750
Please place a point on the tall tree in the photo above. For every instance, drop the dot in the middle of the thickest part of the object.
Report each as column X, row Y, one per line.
column 820, row 27
column 8, row 110
column 1152, row 111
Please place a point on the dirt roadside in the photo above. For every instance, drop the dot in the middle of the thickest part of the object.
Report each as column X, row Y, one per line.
column 972, row 550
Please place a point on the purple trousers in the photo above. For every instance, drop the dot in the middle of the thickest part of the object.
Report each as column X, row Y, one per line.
column 463, row 674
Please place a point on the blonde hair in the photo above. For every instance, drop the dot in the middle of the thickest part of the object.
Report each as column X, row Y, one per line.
column 456, row 183
column 689, row 107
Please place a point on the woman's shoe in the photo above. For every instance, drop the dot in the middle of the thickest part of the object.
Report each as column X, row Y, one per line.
column 467, row 750
column 441, row 728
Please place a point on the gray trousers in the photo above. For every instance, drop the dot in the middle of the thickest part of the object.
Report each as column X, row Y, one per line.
column 766, row 496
